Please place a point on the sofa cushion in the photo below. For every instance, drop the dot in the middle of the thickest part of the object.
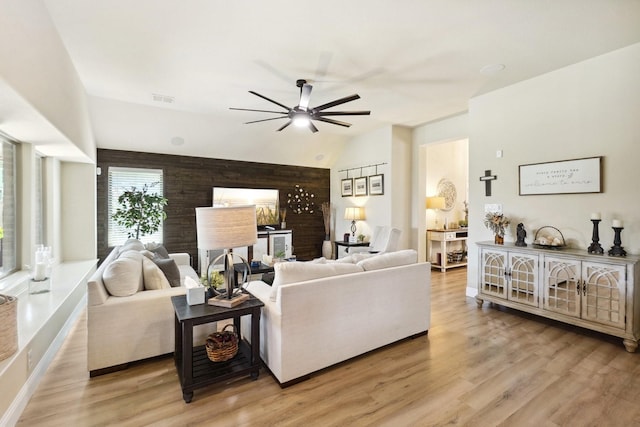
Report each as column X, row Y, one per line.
column 389, row 259
column 153, row 277
column 138, row 257
column 293, row 272
column 123, row 277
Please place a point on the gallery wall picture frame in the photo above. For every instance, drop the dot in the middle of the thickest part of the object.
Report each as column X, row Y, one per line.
column 561, row 177
column 360, row 186
column 376, row 185
column 346, row 187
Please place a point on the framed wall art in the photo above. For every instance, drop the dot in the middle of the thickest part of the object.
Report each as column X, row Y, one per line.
column 561, row 177
column 360, row 186
column 347, row 187
column 376, row 185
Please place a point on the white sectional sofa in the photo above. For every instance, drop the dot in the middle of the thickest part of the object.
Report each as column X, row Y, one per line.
column 129, row 312
column 320, row 314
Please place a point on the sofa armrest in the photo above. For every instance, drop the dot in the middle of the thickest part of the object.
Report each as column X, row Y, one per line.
column 181, row 258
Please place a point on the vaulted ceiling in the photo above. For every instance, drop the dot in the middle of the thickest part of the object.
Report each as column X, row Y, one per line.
column 162, row 74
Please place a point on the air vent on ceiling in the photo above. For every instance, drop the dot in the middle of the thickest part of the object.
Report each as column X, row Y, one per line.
column 163, row 98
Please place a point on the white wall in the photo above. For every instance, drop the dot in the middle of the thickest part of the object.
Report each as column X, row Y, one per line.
column 372, row 148
column 587, row 109
column 78, row 211
column 400, row 183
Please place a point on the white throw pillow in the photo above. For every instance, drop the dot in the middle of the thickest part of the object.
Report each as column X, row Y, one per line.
column 154, row 278
column 132, row 245
column 293, row 272
column 389, row 259
column 123, row 277
column 136, row 256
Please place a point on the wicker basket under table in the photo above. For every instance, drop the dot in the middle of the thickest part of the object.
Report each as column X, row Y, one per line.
column 222, row 346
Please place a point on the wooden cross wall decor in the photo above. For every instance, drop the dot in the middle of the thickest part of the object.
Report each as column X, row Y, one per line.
column 487, row 178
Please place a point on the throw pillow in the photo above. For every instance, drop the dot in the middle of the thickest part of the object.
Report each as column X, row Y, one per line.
column 123, row 277
column 153, row 277
column 157, row 249
column 389, row 259
column 132, row 245
column 293, row 272
column 170, row 270
column 135, row 256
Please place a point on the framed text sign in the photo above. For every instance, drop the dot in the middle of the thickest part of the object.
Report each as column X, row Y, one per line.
column 561, row 177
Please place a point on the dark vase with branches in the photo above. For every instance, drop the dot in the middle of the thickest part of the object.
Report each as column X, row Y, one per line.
column 141, row 212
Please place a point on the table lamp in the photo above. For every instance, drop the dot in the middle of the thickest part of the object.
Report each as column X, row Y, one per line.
column 226, row 228
column 435, row 203
column 354, row 213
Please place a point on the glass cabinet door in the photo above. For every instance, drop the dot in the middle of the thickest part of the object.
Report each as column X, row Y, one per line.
column 523, row 278
column 603, row 293
column 494, row 279
column 562, row 286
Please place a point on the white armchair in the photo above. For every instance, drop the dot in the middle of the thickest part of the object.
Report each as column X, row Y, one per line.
column 385, row 239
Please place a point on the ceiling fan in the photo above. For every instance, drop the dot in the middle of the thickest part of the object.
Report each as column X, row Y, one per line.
column 301, row 115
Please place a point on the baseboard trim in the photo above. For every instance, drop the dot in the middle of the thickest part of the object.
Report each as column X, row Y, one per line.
column 13, row 413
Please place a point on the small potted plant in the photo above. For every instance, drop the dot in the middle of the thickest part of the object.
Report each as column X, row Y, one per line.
column 497, row 223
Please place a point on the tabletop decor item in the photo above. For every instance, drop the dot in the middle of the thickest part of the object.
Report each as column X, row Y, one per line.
column 617, row 249
column 222, row 346
column 9, row 329
column 326, row 217
column 548, row 237
column 594, row 247
column 521, row 234
column 497, row 222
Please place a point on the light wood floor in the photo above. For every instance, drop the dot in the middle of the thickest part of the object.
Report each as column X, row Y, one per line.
column 476, row 367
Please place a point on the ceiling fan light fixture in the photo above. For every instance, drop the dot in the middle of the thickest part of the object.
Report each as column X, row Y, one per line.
column 301, row 120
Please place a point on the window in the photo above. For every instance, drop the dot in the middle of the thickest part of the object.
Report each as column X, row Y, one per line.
column 120, row 180
column 8, row 236
column 39, row 206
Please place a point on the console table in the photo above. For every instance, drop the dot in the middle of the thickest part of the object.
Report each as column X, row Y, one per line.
column 446, row 239
column 596, row 292
column 195, row 370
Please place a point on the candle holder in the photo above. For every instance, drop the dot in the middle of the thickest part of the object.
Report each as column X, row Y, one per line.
column 616, row 249
column 594, row 247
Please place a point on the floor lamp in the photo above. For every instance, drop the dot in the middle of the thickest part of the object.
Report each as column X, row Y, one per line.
column 226, row 228
column 435, row 203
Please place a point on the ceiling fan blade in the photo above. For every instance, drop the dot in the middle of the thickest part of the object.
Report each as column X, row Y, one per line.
column 336, row 102
column 265, row 120
column 285, row 125
column 259, row 111
column 312, row 127
column 333, row 122
column 270, row 100
column 305, row 95
column 342, row 113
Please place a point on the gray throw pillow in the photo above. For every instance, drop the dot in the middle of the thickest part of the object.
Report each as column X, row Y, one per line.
column 160, row 251
column 170, row 270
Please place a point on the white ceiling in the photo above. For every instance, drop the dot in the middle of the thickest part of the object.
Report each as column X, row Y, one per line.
column 410, row 61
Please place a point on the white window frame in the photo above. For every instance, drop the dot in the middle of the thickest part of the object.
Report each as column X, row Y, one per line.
column 121, row 179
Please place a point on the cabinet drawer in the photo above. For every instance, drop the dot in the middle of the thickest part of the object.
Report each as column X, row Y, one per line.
column 451, row 235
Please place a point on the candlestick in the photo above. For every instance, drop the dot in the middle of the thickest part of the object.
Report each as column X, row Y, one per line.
column 616, row 249
column 595, row 247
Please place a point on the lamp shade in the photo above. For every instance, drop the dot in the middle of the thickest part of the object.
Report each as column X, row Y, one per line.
column 435, row 202
column 226, row 227
column 354, row 213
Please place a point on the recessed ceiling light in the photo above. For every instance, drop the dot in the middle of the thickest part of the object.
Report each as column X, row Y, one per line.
column 491, row 69
column 176, row 140
column 319, row 157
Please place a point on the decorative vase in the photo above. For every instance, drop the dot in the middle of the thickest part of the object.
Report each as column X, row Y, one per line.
column 326, row 248
column 498, row 240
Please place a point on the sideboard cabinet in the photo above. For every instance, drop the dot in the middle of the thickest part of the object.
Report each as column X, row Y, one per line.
column 596, row 292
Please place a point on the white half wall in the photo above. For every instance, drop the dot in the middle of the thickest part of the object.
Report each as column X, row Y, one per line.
column 78, row 211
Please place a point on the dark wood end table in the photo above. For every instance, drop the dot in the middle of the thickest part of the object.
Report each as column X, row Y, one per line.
column 195, row 370
column 347, row 245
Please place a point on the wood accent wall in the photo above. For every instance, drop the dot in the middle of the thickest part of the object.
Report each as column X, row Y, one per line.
column 189, row 181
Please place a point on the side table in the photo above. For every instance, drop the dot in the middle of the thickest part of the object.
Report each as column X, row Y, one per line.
column 195, row 370
column 347, row 245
